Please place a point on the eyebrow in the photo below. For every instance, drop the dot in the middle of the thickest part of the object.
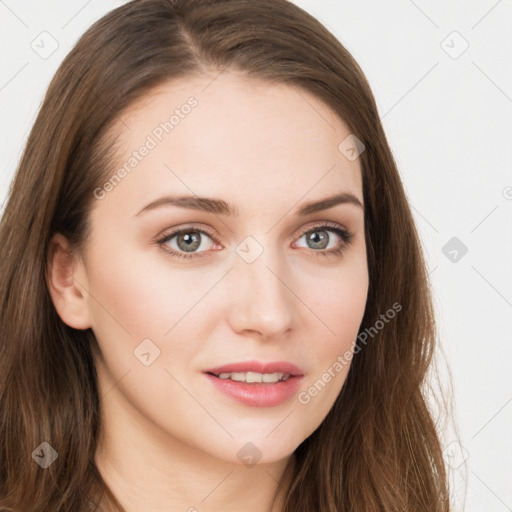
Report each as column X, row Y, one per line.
column 219, row 206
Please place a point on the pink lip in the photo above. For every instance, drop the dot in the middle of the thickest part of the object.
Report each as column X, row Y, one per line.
column 258, row 367
column 258, row 394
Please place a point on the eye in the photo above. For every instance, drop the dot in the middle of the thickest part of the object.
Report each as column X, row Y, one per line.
column 320, row 238
column 184, row 243
column 190, row 242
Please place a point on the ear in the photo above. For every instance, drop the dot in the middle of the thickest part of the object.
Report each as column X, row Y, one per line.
column 67, row 284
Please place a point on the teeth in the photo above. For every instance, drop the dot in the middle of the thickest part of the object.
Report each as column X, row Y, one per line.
column 255, row 377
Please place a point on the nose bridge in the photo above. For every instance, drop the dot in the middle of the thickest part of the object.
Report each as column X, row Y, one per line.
column 259, row 295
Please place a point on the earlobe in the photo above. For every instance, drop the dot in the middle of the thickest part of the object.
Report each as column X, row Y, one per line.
column 66, row 284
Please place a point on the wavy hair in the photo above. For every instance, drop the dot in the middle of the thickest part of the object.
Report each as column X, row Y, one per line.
column 378, row 449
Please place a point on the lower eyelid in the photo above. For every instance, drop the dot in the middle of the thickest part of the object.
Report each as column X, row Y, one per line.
column 343, row 244
column 345, row 236
column 167, row 238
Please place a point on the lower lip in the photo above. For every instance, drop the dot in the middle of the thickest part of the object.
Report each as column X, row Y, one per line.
column 257, row 394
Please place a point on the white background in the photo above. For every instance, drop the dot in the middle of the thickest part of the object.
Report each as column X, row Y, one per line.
column 448, row 117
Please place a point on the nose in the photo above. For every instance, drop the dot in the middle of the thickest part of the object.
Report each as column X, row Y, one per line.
column 260, row 298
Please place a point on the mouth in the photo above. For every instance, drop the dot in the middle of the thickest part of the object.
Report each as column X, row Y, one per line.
column 253, row 369
column 257, row 384
column 253, row 377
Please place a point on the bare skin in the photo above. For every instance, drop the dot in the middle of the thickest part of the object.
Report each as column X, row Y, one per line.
column 169, row 439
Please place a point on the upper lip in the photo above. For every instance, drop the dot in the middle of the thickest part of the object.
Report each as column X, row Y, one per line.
column 258, row 367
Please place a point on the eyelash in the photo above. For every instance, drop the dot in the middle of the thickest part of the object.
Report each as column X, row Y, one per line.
column 345, row 235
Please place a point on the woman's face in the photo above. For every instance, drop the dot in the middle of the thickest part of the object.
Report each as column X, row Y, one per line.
column 261, row 283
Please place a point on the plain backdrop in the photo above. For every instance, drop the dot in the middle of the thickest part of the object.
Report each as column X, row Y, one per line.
column 442, row 77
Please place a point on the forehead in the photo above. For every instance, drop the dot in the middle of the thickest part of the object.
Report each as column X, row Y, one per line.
column 229, row 135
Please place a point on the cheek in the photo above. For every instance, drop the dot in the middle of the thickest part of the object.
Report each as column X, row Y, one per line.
column 140, row 309
column 337, row 306
column 337, row 303
column 145, row 299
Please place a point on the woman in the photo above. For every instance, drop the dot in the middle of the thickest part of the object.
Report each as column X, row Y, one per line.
column 213, row 293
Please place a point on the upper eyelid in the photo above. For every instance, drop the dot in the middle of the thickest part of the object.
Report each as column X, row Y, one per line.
column 330, row 225
column 207, row 231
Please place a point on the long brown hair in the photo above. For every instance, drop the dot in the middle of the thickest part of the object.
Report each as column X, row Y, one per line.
column 378, row 448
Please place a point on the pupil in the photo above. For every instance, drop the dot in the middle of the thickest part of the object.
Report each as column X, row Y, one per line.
column 319, row 239
column 191, row 240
